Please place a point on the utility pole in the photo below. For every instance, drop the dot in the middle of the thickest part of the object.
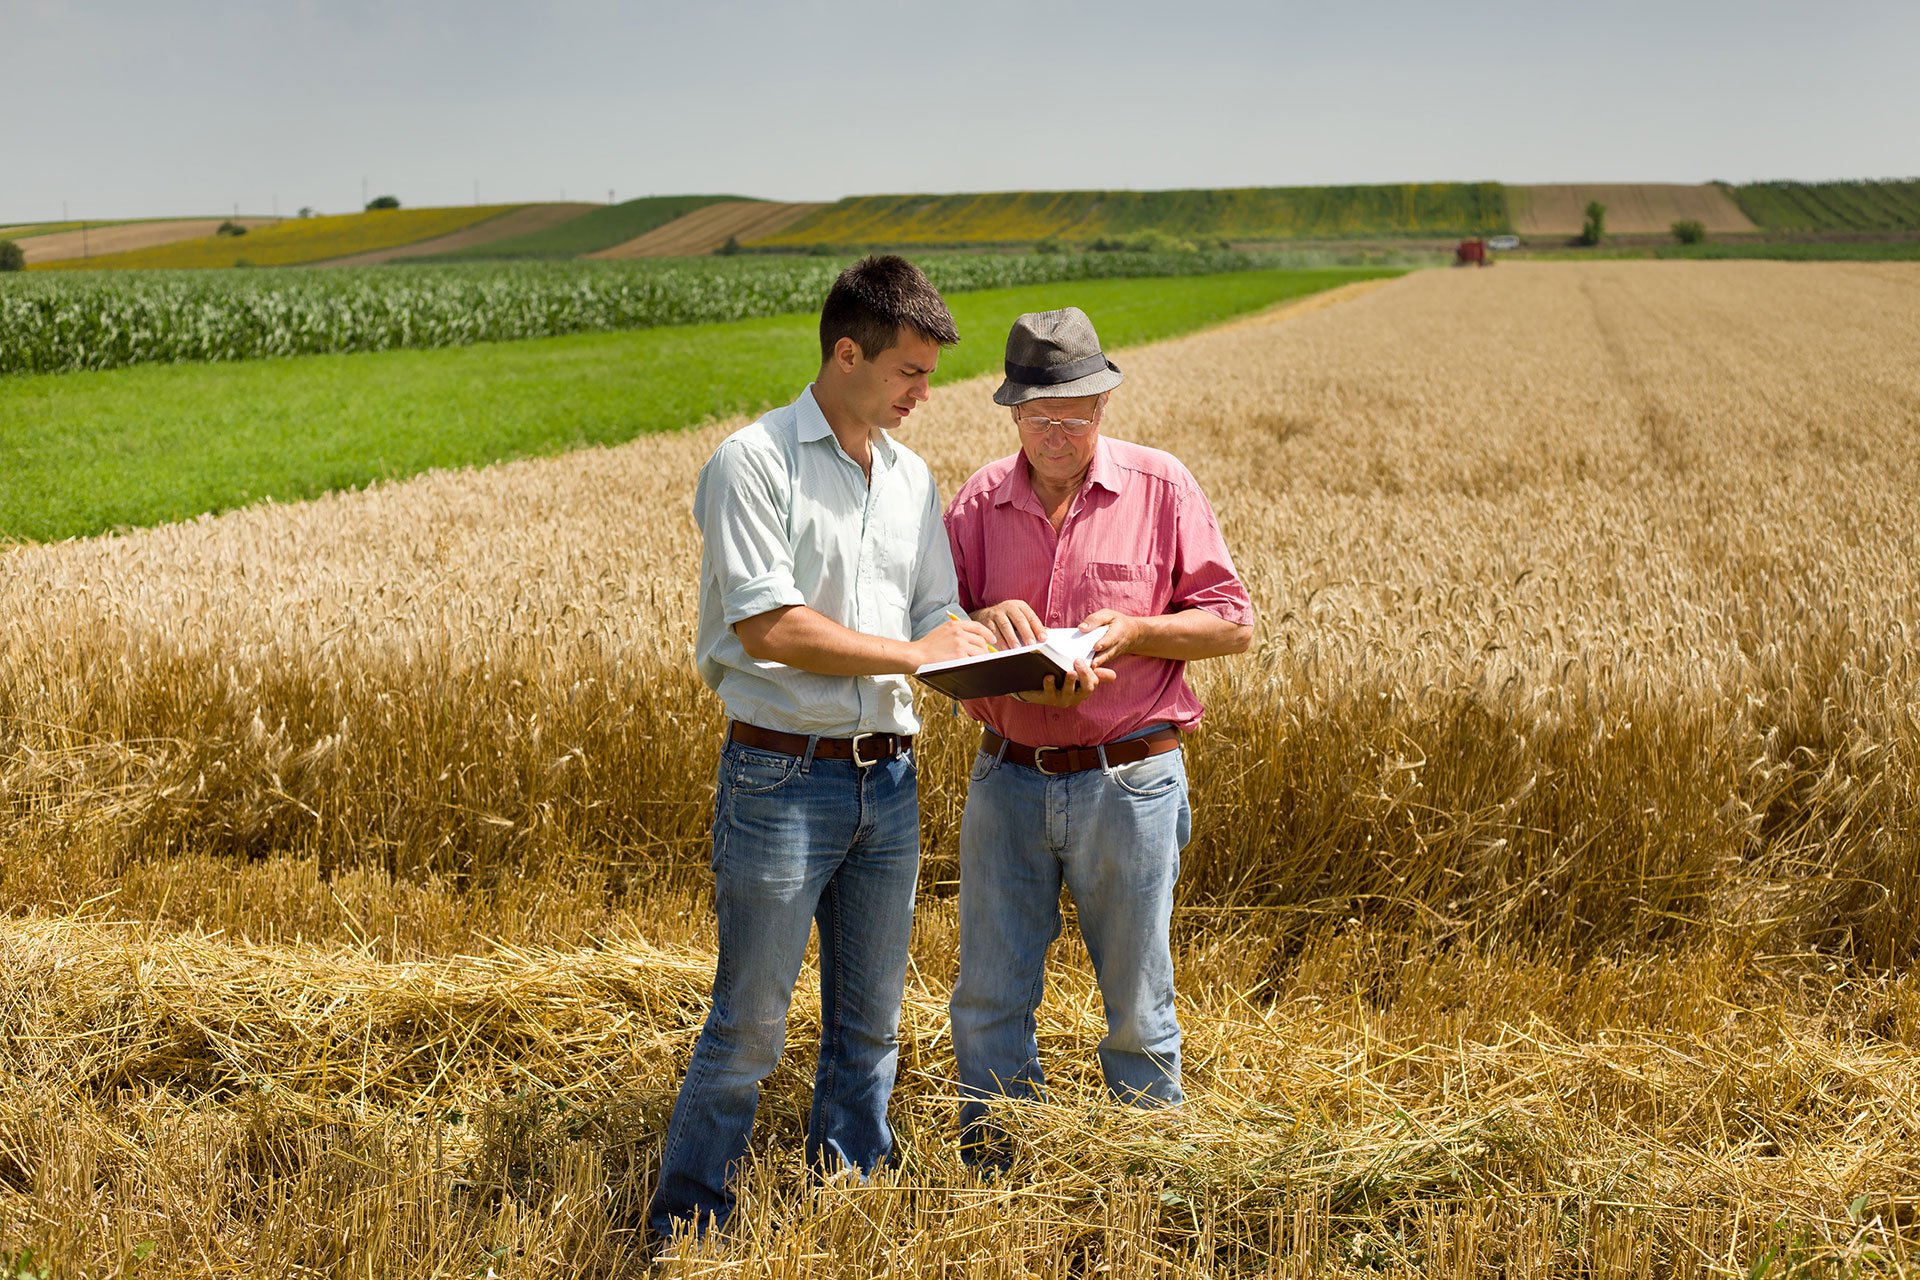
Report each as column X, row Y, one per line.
column 363, row 195
column 476, row 191
column 609, row 195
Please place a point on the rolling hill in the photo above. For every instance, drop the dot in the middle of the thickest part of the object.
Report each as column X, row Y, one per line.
column 606, row 227
column 1245, row 213
column 1633, row 208
column 1832, row 206
column 294, row 241
column 709, row 228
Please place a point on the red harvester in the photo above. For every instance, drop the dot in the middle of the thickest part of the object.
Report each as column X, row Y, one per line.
column 1472, row 253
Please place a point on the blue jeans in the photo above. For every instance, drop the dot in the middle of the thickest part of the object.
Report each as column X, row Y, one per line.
column 797, row 842
column 1113, row 836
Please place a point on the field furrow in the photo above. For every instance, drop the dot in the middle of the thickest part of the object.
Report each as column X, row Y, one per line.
column 707, row 229
column 1633, row 208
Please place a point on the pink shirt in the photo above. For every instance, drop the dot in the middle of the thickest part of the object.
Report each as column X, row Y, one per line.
column 1139, row 537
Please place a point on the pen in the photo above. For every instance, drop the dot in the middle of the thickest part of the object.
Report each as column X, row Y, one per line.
column 957, row 618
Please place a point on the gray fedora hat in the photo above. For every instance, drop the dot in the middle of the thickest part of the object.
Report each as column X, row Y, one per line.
column 1055, row 355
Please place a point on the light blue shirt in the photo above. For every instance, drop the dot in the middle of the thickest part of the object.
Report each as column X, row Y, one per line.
column 787, row 519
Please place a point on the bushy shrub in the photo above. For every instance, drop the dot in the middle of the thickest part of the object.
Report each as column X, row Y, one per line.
column 1690, row 231
column 230, row 228
column 1052, row 244
column 383, row 202
column 12, row 256
column 730, row 248
column 306, row 211
column 1152, row 240
column 1595, row 226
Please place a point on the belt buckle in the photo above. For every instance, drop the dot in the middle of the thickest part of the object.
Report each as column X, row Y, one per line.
column 858, row 738
column 1040, row 761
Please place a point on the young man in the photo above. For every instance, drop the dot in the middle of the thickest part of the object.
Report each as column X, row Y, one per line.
column 825, row 576
column 1082, row 783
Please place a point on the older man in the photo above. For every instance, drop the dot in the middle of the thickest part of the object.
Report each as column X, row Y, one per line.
column 1082, row 784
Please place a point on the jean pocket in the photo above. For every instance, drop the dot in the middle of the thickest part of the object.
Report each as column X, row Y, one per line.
column 1151, row 778
column 759, row 773
column 982, row 766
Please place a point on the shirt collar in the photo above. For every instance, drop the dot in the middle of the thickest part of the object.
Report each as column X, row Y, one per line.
column 811, row 424
column 1016, row 486
column 1103, row 471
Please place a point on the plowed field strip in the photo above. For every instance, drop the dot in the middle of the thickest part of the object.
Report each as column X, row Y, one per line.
column 705, row 230
column 517, row 222
column 1633, row 208
column 121, row 237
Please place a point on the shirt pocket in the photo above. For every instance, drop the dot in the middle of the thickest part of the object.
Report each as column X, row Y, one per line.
column 1128, row 588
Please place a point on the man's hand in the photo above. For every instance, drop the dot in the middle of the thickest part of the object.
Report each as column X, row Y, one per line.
column 1070, row 691
column 952, row 639
column 1124, row 632
column 1013, row 623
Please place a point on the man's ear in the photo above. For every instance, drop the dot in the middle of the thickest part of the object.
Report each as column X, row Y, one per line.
column 846, row 354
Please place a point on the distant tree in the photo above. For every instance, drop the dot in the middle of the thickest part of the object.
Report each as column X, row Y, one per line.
column 230, row 228
column 1690, row 231
column 1595, row 226
column 731, row 247
column 1051, row 244
column 12, row 256
column 383, row 202
column 306, row 211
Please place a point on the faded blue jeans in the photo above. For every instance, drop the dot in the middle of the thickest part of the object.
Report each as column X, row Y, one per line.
column 1113, row 836
column 797, row 842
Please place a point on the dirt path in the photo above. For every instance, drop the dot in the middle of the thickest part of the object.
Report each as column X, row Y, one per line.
column 1633, row 208
column 705, row 230
column 518, row 222
column 120, row 237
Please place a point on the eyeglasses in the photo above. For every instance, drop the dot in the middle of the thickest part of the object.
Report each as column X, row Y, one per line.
column 1038, row 426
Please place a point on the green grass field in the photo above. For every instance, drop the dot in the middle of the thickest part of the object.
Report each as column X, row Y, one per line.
column 590, row 232
column 86, row 452
column 1832, row 206
column 1775, row 250
column 1828, row 251
column 1246, row 213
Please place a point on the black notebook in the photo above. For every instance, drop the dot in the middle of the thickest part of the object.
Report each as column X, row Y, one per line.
column 1022, row 670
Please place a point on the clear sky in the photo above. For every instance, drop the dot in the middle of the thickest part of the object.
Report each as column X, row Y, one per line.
column 129, row 108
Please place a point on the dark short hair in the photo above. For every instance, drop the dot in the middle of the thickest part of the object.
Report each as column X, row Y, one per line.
column 873, row 298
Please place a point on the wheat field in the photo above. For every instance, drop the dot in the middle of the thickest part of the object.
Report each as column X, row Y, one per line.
column 1552, row 908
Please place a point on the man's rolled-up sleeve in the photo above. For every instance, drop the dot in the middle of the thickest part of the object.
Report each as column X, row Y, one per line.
column 1203, row 573
column 741, row 505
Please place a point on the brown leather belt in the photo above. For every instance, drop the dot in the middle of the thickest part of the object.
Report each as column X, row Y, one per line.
column 862, row 748
column 1052, row 760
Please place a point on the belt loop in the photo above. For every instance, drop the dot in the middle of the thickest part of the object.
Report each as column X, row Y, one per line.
column 1101, row 751
column 806, row 761
column 1001, row 754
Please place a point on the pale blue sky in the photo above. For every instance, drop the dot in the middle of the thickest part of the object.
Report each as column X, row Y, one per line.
column 127, row 108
